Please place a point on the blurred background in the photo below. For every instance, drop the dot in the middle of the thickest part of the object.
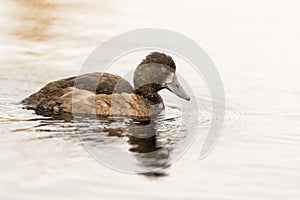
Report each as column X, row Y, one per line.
column 255, row 46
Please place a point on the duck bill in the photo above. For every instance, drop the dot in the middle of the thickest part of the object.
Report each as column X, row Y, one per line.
column 177, row 89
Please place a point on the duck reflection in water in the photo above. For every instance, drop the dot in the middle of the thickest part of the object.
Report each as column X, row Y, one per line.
column 151, row 154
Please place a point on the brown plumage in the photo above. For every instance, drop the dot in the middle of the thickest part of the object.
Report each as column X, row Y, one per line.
column 108, row 94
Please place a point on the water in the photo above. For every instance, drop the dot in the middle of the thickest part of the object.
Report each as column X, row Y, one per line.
column 254, row 46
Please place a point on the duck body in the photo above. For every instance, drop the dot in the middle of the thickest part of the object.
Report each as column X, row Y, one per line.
column 106, row 94
column 111, row 95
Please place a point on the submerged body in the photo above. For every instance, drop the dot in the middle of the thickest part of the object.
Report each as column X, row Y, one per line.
column 108, row 94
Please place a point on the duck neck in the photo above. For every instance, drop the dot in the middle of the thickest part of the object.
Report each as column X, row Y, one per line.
column 149, row 93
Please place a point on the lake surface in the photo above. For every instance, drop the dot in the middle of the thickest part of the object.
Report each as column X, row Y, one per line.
column 255, row 47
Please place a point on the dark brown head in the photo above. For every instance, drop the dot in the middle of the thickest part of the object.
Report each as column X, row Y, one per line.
column 159, row 58
column 156, row 72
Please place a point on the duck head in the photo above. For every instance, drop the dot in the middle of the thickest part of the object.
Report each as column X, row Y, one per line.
column 157, row 72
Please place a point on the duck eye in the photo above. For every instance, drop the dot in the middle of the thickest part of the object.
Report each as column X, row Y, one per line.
column 163, row 69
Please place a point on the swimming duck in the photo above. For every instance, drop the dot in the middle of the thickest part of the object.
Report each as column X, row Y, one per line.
column 107, row 94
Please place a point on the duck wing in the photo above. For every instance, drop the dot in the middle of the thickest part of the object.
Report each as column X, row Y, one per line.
column 99, row 83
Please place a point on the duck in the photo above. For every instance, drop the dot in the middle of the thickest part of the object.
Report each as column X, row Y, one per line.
column 106, row 94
